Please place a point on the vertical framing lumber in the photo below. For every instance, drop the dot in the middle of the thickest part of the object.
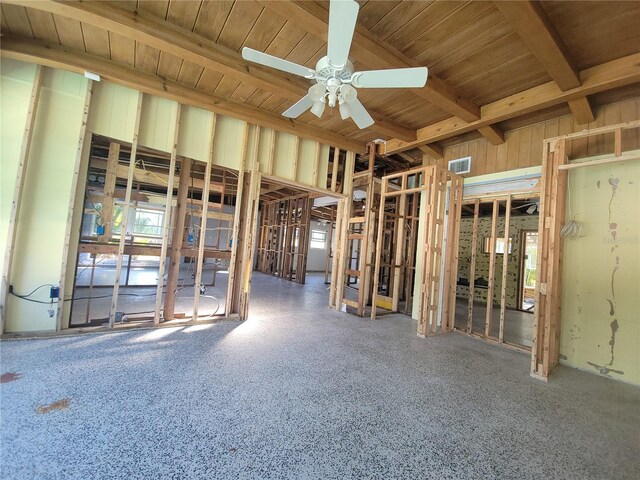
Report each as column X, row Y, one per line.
column 82, row 138
column 177, row 236
column 251, row 221
column 492, row 267
column 344, row 213
column 505, row 269
column 272, row 151
column 334, row 169
column 400, row 245
column 296, row 154
column 378, row 254
column 316, row 165
column 16, row 203
column 125, row 213
column 203, row 219
column 450, row 280
column 472, row 268
column 329, row 259
column 232, row 302
column 106, row 212
column 167, row 217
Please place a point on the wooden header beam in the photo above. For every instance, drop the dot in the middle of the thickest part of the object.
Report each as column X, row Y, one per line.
column 536, row 30
column 617, row 73
column 56, row 56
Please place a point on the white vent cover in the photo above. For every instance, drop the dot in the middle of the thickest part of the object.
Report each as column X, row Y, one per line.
column 461, row 165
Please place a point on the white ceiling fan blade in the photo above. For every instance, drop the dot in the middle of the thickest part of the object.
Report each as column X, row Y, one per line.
column 298, row 108
column 342, row 22
column 360, row 115
column 392, row 78
column 274, row 62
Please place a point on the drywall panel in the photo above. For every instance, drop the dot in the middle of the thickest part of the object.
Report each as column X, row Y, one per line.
column 113, row 111
column 600, row 323
column 306, row 161
column 16, row 81
column 195, row 133
column 227, row 147
column 157, row 122
column 43, row 217
column 283, row 158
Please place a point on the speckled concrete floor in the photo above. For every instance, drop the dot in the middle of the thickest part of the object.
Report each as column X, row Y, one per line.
column 301, row 392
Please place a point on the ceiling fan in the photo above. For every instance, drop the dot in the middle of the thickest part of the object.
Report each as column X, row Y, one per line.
column 336, row 81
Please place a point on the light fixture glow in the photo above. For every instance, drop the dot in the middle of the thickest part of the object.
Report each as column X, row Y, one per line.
column 92, row 76
column 318, row 108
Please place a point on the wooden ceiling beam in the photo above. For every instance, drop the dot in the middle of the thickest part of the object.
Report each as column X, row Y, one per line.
column 616, row 73
column 582, row 111
column 56, row 56
column 434, row 150
column 370, row 50
column 493, row 134
column 171, row 38
column 537, row 31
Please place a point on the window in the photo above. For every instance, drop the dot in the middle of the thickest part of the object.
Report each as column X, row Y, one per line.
column 486, row 247
column 318, row 239
column 148, row 222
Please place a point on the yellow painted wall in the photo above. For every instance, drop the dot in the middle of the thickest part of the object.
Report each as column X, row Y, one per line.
column 16, row 80
column 600, row 328
column 38, row 258
column 43, row 217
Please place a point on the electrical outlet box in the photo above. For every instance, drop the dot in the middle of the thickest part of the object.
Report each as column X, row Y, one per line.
column 54, row 293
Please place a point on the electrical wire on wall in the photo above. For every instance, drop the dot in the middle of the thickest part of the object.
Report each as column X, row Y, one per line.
column 571, row 229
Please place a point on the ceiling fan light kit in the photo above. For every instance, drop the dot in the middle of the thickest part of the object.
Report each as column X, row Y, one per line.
column 336, row 81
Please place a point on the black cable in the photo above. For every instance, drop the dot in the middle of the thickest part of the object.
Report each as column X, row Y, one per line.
column 25, row 297
column 33, row 291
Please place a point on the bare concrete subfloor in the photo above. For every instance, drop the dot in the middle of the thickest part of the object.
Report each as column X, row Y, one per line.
column 299, row 391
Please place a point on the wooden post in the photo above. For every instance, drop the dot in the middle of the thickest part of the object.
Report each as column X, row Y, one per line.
column 378, row 257
column 330, row 245
column 505, row 268
column 316, row 167
column 167, row 218
column 232, row 303
column 334, row 169
column 272, row 151
column 296, row 154
column 106, row 213
column 16, row 203
column 347, row 190
column 203, row 221
column 451, row 260
column 125, row 213
column 400, row 246
column 82, row 138
column 177, row 237
column 492, row 267
column 472, row 268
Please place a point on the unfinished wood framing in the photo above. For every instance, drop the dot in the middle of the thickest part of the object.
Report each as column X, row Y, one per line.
column 203, row 224
column 125, row 213
column 429, row 183
column 545, row 351
column 82, row 138
column 336, row 292
column 166, row 221
column 505, row 267
column 18, row 191
column 474, row 256
column 283, row 239
column 493, row 240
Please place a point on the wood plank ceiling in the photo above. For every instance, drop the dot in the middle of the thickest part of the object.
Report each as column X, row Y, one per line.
column 478, row 52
